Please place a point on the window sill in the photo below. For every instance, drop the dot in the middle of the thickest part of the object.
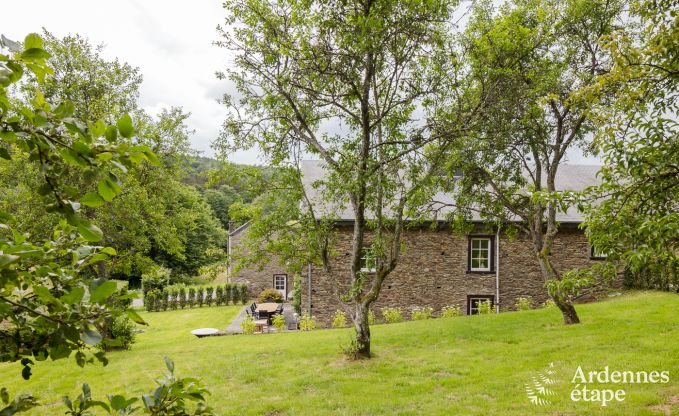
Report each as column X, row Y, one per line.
column 480, row 272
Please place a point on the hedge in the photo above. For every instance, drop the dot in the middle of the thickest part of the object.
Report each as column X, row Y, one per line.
column 189, row 297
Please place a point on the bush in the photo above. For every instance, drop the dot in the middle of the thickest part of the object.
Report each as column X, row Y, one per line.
column 278, row 322
column 524, row 303
column 200, row 296
column 151, row 300
column 208, row 295
column 243, row 293
column 248, row 325
column 371, row 317
column 339, row 320
column 174, row 295
column 392, row 315
column 158, row 278
column 549, row 303
column 270, row 295
column 451, row 311
column 297, row 294
column 182, row 297
column 119, row 333
column 164, row 299
column 419, row 314
column 485, row 307
column 307, row 323
column 227, row 293
column 350, row 350
column 219, row 295
column 192, row 297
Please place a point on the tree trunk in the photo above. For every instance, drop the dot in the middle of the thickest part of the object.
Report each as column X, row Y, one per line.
column 362, row 331
column 565, row 305
column 570, row 316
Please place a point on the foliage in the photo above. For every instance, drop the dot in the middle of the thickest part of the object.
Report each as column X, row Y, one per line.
column 156, row 278
column 270, row 295
column 228, row 293
column 633, row 216
column 307, row 322
column 278, row 322
column 419, row 314
column 47, row 308
column 371, row 317
column 524, row 303
column 208, row 295
column 173, row 396
column 531, row 65
column 485, row 307
column 219, row 295
column 549, row 303
column 19, row 404
column 351, row 349
column 182, row 297
column 339, row 320
column 200, row 296
column 120, row 333
column 248, row 325
column 392, row 315
column 451, row 311
column 243, row 293
column 192, row 297
column 366, row 66
column 297, row 293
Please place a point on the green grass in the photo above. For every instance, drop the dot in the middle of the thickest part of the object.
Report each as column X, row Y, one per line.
column 455, row 366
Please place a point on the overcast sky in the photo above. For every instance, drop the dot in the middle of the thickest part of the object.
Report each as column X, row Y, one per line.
column 169, row 40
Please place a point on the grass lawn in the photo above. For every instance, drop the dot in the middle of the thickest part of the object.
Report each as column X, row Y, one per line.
column 456, row 366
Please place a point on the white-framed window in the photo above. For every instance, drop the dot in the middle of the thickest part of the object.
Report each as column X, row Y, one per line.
column 474, row 300
column 279, row 281
column 480, row 254
column 368, row 261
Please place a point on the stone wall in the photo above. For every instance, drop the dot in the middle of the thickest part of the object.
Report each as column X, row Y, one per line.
column 432, row 271
column 257, row 277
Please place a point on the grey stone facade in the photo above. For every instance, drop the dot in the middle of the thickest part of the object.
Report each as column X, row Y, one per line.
column 433, row 271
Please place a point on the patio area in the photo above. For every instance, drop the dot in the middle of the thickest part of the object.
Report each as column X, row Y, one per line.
column 288, row 313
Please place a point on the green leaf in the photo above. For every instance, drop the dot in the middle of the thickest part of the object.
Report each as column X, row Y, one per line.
column 32, row 40
column 64, row 110
column 74, row 297
column 45, row 295
column 34, row 54
column 169, row 364
column 98, row 129
column 89, row 231
column 109, row 250
column 106, row 190
column 4, row 153
column 92, row 199
column 125, row 126
column 7, row 259
column 133, row 315
column 103, row 291
column 111, row 133
column 90, row 337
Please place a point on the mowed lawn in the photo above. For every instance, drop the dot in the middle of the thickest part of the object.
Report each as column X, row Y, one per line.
column 456, row 366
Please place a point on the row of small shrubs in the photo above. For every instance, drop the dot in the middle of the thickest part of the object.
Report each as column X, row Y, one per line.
column 188, row 297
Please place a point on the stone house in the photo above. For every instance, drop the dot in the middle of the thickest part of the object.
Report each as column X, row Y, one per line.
column 438, row 267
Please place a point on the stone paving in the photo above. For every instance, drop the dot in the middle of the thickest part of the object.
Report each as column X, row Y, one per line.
column 234, row 326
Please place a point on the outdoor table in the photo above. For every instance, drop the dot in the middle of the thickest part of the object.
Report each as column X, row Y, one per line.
column 265, row 310
column 204, row 332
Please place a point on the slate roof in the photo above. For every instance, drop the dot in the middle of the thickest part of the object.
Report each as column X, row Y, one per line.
column 571, row 177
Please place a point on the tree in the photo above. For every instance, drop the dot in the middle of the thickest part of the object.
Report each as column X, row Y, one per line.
column 368, row 67
column 43, row 303
column 634, row 218
column 536, row 59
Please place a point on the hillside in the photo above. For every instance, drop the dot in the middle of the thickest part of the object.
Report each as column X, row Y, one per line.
column 455, row 366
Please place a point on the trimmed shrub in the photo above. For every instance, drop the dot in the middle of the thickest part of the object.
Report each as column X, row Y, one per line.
column 243, row 293
column 192, row 297
column 451, row 311
column 208, row 295
column 524, row 303
column 278, row 322
column 182, row 297
column 200, row 296
column 164, row 302
column 227, row 293
column 392, row 315
column 219, row 295
column 420, row 314
column 297, row 294
column 248, row 325
column 371, row 317
column 339, row 320
column 485, row 307
column 307, row 323
column 151, row 299
column 270, row 295
column 174, row 295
